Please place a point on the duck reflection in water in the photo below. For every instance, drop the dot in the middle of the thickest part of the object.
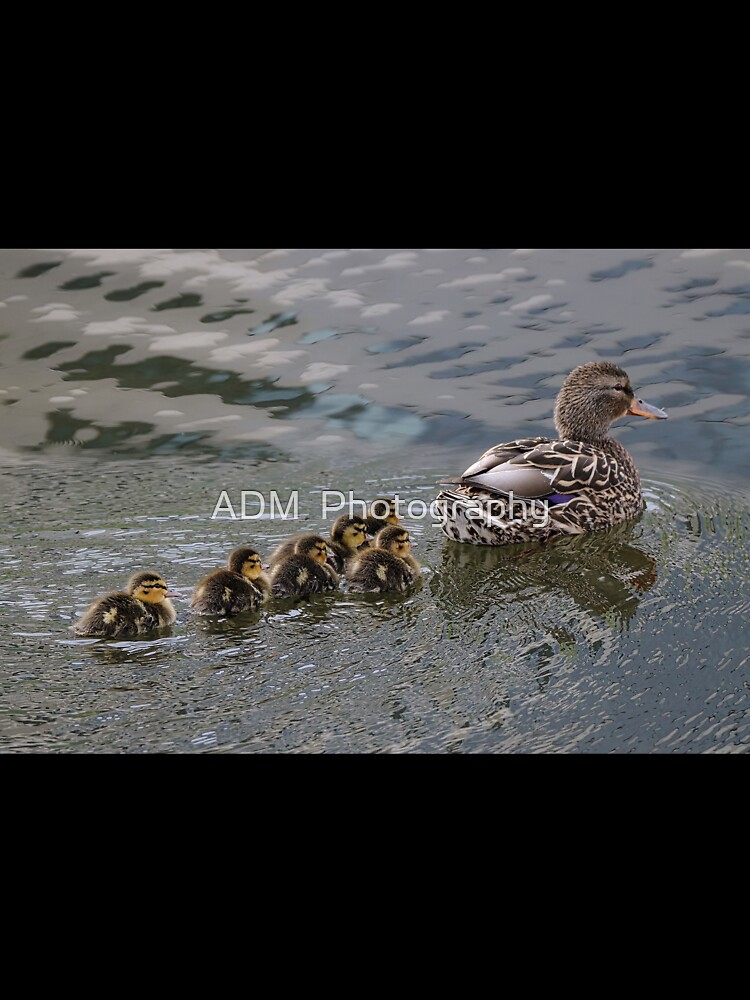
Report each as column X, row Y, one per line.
column 136, row 653
column 604, row 574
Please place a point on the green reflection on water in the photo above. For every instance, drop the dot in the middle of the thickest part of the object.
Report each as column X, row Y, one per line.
column 136, row 437
column 128, row 294
column 35, row 270
column 87, row 281
column 184, row 301
column 176, row 377
column 47, row 350
column 63, row 427
column 179, row 377
column 223, row 315
column 276, row 322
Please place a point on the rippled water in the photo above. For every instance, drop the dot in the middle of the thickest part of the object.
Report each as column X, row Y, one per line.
column 136, row 385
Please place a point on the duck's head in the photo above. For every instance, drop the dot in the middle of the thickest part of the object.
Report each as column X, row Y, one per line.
column 247, row 563
column 149, row 588
column 349, row 532
column 593, row 397
column 394, row 540
column 385, row 509
column 314, row 547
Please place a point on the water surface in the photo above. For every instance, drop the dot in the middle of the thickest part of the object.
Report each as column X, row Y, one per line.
column 136, row 385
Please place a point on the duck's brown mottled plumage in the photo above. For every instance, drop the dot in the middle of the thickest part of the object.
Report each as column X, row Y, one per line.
column 144, row 608
column 585, row 481
column 387, row 567
column 241, row 587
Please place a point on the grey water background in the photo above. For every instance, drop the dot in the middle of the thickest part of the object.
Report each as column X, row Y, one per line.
column 137, row 385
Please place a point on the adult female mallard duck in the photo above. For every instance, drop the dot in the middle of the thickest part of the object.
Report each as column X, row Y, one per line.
column 242, row 586
column 306, row 572
column 145, row 607
column 538, row 488
column 388, row 567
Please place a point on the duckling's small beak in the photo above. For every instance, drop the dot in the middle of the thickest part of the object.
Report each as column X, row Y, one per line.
column 171, row 593
column 265, row 566
column 641, row 409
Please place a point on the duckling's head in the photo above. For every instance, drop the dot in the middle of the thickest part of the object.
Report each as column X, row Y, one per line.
column 349, row 532
column 149, row 588
column 394, row 540
column 593, row 397
column 385, row 509
column 247, row 563
column 314, row 547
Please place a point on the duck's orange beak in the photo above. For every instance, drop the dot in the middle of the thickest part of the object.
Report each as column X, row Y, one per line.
column 641, row 409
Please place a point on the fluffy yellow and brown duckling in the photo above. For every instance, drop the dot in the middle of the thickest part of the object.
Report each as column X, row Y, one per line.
column 288, row 547
column 348, row 538
column 389, row 566
column 145, row 607
column 242, row 586
column 537, row 489
column 306, row 571
column 382, row 513
column 348, row 535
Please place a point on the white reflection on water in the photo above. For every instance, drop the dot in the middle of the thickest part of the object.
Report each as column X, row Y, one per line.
column 499, row 329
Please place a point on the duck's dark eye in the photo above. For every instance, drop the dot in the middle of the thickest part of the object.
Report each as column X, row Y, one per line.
column 620, row 388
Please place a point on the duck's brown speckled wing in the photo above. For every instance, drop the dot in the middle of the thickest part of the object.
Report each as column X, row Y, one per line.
column 507, row 452
column 537, row 468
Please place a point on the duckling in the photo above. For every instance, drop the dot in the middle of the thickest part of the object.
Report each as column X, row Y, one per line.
column 389, row 566
column 348, row 539
column 146, row 606
column 382, row 513
column 305, row 572
column 348, row 535
column 289, row 547
column 242, row 586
